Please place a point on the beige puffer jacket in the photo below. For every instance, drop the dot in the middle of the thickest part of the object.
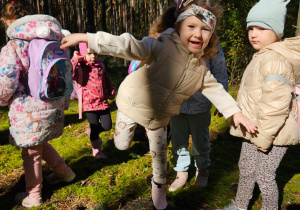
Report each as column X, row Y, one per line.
column 271, row 105
column 167, row 75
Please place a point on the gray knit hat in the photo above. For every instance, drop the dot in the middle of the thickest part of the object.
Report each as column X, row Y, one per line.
column 269, row 14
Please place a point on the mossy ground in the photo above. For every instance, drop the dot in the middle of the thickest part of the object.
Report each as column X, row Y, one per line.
column 122, row 181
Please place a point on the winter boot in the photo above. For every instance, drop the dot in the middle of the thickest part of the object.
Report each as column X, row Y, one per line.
column 201, row 177
column 96, row 149
column 28, row 201
column 180, row 181
column 158, row 196
column 231, row 206
column 67, row 176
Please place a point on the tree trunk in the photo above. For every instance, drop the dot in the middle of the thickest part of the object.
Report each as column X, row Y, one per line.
column 103, row 12
column 132, row 5
column 50, row 7
column 298, row 22
column 146, row 15
column 78, row 11
column 90, row 25
column 62, row 6
column 124, row 16
column 38, row 6
column 46, row 7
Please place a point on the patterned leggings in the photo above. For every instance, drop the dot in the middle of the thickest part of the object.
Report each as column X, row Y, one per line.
column 260, row 167
column 124, row 132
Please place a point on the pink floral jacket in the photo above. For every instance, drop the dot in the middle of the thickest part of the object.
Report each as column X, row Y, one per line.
column 32, row 121
column 94, row 85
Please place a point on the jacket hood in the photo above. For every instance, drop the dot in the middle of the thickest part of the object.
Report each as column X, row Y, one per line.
column 289, row 49
column 35, row 26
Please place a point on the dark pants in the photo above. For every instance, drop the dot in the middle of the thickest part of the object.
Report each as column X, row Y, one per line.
column 99, row 121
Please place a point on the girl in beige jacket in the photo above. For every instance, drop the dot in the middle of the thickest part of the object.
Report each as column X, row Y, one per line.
column 266, row 96
column 172, row 69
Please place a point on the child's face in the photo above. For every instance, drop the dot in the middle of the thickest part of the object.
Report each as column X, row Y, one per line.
column 261, row 37
column 8, row 22
column 90, row 57
column 194, row 34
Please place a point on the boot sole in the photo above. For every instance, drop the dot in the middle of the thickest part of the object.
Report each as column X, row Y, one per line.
column 69, row 179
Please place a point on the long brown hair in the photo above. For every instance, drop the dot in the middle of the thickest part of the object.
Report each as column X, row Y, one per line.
column 168, row 19
column 163, row 22
column 17, row 9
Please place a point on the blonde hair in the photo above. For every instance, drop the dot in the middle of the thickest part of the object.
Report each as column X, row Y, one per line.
column 17, row 9
column 168, row 19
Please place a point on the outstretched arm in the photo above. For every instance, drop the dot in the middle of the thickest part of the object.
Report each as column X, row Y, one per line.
column 239, row 118
column 73, row 40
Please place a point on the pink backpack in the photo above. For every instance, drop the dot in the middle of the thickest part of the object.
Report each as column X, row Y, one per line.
column 297, row 94
column 50, row 72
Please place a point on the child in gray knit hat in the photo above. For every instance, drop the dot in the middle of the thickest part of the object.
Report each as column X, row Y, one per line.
column 266, row 96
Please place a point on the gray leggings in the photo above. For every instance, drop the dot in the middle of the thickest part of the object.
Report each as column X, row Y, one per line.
column 260, row 167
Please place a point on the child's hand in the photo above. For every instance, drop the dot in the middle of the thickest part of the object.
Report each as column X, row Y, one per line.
column 77, row 55
column 239, row 118
column 259, row 148
column 73, row 40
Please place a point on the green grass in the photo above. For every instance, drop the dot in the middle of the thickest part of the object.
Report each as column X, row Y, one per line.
column 125, row 176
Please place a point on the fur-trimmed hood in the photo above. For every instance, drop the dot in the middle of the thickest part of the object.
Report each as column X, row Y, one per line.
column 35, row 26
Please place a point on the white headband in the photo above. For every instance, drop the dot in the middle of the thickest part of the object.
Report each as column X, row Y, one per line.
column 205, row 15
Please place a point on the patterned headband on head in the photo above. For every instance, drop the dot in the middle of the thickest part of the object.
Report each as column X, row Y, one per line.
column 205, row 15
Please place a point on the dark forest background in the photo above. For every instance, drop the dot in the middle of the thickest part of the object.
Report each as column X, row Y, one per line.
column 136, row 16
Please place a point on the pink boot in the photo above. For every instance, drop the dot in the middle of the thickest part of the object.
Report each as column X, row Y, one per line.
column 96, row 149
column 158, row 195
column 88, row 132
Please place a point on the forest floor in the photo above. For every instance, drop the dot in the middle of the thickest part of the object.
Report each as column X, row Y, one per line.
column 122, row 181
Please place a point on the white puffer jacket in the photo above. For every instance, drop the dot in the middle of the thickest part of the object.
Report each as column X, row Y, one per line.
column 271, row 105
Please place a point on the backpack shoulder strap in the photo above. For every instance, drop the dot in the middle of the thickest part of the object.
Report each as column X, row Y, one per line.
column 280, row 78
column 283, row 79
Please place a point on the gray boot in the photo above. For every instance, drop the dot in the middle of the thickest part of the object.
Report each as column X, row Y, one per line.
column 201, row 177
column 231, row 206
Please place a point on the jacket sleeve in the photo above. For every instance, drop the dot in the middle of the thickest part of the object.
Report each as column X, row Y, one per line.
column 123, row 46
column 10, row 68
column 216, row 93
column 274, row 103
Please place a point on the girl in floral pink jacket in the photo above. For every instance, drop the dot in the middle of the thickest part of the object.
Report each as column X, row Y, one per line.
column 93, row 88
column 32, row 122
